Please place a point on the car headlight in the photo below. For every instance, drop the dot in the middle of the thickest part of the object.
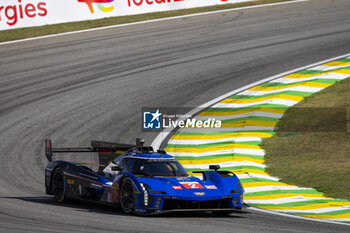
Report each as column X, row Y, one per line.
column 144, row 188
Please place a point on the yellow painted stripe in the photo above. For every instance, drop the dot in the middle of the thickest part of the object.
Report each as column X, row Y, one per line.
column 222, row 160
column 243, row 111
column 214, row 148
column 247, row 171
column 342, row 71
column 259, row 184
column 328, row 216
column 297, row 76
column 220, row 136
column 284, row 195
column 301, row 76
column 309, row 207
column 305, row 84
column 247, row 101
column 337, row 63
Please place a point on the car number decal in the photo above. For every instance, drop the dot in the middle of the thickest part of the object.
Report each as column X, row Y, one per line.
column 192, row 185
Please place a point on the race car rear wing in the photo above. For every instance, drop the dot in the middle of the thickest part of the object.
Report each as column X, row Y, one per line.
column 107, row 151
column 49, row 150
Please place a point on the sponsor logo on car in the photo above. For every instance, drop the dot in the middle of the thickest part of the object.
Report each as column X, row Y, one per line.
column 177, row 187
column 199, row 193
column 210, row 187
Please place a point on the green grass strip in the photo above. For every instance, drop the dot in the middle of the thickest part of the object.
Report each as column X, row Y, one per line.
column 310, row 72
column 303, row 159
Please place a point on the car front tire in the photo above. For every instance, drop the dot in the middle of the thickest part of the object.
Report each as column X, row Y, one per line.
column 127, row 196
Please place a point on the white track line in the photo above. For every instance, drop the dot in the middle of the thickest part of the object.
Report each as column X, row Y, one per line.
column 150, row 21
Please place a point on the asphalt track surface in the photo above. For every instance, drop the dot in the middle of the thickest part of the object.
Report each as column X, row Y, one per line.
column 93, row 85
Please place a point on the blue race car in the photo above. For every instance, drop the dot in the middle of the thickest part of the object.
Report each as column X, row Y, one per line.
column 141, row 181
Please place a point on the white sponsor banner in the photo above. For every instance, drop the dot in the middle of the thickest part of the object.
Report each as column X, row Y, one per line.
column 28, row 13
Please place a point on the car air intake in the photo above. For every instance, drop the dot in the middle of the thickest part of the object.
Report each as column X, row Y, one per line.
column 181, row 204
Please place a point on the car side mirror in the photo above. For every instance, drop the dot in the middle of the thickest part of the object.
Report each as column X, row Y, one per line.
column 117, row 168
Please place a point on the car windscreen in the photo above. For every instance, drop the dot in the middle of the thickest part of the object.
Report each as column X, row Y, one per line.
column 155, row 167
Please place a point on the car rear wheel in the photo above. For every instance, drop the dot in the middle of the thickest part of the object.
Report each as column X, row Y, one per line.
column 59, row 185
column 127, row 196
